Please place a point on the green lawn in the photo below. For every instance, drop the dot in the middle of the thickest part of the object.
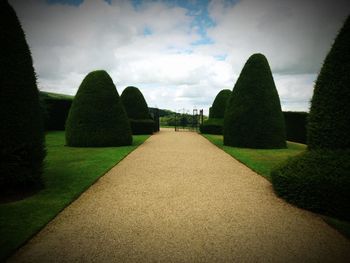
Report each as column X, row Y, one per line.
column 68, row 172
column 262, row 162
column 259, row 160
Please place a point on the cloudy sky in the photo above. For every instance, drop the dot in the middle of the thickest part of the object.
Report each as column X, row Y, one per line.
column 180, row 54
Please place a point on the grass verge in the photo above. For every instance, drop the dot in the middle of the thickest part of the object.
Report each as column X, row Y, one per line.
column 262, row 161
column 68, row 172
column 259, row 160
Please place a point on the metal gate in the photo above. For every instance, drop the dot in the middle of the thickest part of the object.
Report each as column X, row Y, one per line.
column 188, row 121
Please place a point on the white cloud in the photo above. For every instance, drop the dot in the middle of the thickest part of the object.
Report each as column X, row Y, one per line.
column 67, row 42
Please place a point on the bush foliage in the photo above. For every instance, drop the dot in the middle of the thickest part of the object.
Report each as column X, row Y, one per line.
column 253, row 117
column 329, row 122
column 22, row 149
column 137, row 111
column 212, row 126
column 219, row 105
column 317, row 180
column 296, row 126
column 97, row 118
column 134, row 103
column 56, row 109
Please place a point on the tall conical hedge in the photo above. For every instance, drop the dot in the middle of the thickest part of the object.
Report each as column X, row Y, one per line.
column 219, row 105
column 319, row 179
column 329, row 119
column 97, row 117
column 137, row 111
column 22, row 149
column 253, row 117
column 134, row 103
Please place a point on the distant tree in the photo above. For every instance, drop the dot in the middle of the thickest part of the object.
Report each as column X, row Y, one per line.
column 253, row 116
column 97, row 117
column 137, row 111
column 22, row 141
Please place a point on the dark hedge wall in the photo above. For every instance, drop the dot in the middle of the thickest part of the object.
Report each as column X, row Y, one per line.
column 296, row 126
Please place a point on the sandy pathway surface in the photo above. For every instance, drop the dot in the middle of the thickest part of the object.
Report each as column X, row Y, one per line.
column 178, row 198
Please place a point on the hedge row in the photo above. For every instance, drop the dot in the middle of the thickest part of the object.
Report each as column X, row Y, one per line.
column 212, row 126
column 56, row 110
column 296, row 126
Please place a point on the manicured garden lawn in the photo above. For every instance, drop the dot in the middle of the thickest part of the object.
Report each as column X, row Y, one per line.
column 68, row 172
column 262, row 162
column 259, row 160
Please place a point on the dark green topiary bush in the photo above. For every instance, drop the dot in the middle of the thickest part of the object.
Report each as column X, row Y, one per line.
column 296, row 125
column 97, row 117
column 212, row 126
column 22, row 138
column 218, row 108
column 134, row 104
column 137, row 111
column 329, row 122
column 319, row 180
column 253, row 117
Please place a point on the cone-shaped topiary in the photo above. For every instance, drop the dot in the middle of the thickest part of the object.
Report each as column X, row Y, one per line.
column 329, row 119
column 97, row 117
column 253, row 116
column 137, row 111
column 217, row 110
column 22, row 138
column 319, row 179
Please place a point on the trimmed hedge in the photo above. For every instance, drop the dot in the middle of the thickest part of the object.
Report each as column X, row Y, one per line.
column 22, row 141
column 296, row 126
column 137, row 111
column 329, row 122
column 134, row 103
column 56, row 110
column 212, row 126
column 97, row 118
column 155, row 117
column 219, row 105
column 317, row 180
column 253, row 117
column 139, row 127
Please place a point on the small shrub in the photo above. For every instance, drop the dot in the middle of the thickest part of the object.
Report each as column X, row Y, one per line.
column 253, row 117
column 316, row 180
column 22, row 142
column 97, row 118
column 218, row 108
column 212, row 126
column 296, row 126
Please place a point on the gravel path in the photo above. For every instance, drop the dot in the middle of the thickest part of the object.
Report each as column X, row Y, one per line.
column 178, row 198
